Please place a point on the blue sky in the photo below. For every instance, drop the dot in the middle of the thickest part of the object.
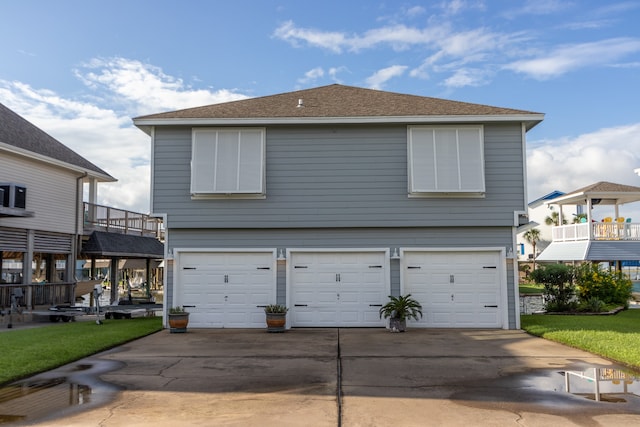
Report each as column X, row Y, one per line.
column 80, row 70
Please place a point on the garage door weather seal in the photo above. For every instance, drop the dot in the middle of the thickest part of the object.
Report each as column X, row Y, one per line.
column 339, row 382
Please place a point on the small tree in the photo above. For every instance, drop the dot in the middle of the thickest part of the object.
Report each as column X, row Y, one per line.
column 532, row 237
column 558, row 288
column 554, row 219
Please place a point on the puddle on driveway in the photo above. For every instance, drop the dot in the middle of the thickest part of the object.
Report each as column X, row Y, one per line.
column 70, row 388
column 545, row 391
column 602, row 384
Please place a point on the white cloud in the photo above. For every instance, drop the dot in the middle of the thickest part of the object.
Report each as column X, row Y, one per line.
column 567, row 164
column 333, row 41
column 466, row 77
column 100, row 128
column 380, row 77
column 312, row 75
column 439, row 42
column 538, row 7
column 570, row 57
column 146, row 87
column 415, row 11
column 399, row 37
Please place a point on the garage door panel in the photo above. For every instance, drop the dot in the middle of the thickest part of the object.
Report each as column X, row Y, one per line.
column 345, row 283
column 454, row 287
column 225, row 289
column 439, row 318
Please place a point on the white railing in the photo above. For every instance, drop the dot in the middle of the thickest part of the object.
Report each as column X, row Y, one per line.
column 599, row 231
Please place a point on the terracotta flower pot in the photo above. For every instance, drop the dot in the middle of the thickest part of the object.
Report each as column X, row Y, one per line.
column 178, row 322
column 276, row 322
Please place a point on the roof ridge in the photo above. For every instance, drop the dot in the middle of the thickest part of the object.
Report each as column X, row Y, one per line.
column 336, row 100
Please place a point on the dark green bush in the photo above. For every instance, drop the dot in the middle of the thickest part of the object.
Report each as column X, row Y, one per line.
column 558, row 288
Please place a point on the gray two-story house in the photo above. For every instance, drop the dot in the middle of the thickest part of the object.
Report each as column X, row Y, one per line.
column 330, row 199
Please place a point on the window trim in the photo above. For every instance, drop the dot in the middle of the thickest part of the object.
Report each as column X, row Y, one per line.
column 221, row 194
column 478, row 192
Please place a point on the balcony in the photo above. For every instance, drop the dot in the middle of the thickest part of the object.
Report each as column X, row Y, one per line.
column 612, row 231
column 105, row 218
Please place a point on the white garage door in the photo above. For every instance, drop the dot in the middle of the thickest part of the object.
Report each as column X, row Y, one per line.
column 226, row 290
column 456, row 289
column 338, row 288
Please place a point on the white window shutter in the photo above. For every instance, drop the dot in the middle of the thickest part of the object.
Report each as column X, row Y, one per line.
column 422, row 164
column 202, row 161
column 470, row 142
column 227, row 168
column 447, row 177
column 227, row 161
column 446, row 159
column 250, row 155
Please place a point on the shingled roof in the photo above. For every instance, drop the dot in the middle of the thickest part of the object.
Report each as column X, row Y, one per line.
column 608, row 193
column 338, row 102
column 19, row 135
column 106, row 244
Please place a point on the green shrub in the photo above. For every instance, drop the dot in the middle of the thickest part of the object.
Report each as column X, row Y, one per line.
column 609, row 287
column 558, row 288
column 592, row 305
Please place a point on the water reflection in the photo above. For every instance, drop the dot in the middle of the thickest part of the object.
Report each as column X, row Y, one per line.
column 52, row 393
column 602, row 384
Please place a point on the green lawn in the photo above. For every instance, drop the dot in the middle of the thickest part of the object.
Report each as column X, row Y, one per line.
column 615, row 337
column 531, row 288
column 25, row 352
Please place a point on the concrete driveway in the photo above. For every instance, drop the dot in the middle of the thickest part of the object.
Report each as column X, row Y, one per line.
column 337, row 377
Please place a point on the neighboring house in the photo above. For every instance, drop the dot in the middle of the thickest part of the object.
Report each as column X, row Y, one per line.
column 608, row 238
column 42, row 215
column 330, row 199
column 538, row 212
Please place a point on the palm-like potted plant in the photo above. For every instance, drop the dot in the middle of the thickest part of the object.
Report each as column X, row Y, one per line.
column 399, row 309
column 276, row 315
column 178, row 319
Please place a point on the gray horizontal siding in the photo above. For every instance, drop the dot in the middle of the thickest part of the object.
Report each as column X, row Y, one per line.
column 341, row 238
column 338, row 176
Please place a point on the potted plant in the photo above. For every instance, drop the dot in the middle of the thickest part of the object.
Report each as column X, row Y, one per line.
column 399, row 309
column 276, row 315
column 178, row 320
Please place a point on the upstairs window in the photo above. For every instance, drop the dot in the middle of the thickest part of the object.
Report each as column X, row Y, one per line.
column 228, row 161
column 446, row 159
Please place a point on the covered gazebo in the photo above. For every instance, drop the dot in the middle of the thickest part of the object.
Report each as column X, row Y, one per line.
column 116, row 246
column 612, row 238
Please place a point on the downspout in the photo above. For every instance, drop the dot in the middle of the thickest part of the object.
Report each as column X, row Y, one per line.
column 78, row 236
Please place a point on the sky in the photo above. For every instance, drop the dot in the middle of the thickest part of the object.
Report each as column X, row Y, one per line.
column 82, row 69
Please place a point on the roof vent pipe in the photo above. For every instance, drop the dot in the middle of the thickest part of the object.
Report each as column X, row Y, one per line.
column 300, row 103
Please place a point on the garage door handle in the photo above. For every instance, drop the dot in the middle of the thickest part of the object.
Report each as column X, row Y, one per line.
column 189, row 306
column 261, row 306
column 489, row 266
column 375, row 305
column 300, row 305
column 492, row 306
column 414, row 266
column 375, row 266
column 188, row 268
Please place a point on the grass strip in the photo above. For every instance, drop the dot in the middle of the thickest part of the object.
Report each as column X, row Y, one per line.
column 26, row 352
column 531, row 289
column 616, row 337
